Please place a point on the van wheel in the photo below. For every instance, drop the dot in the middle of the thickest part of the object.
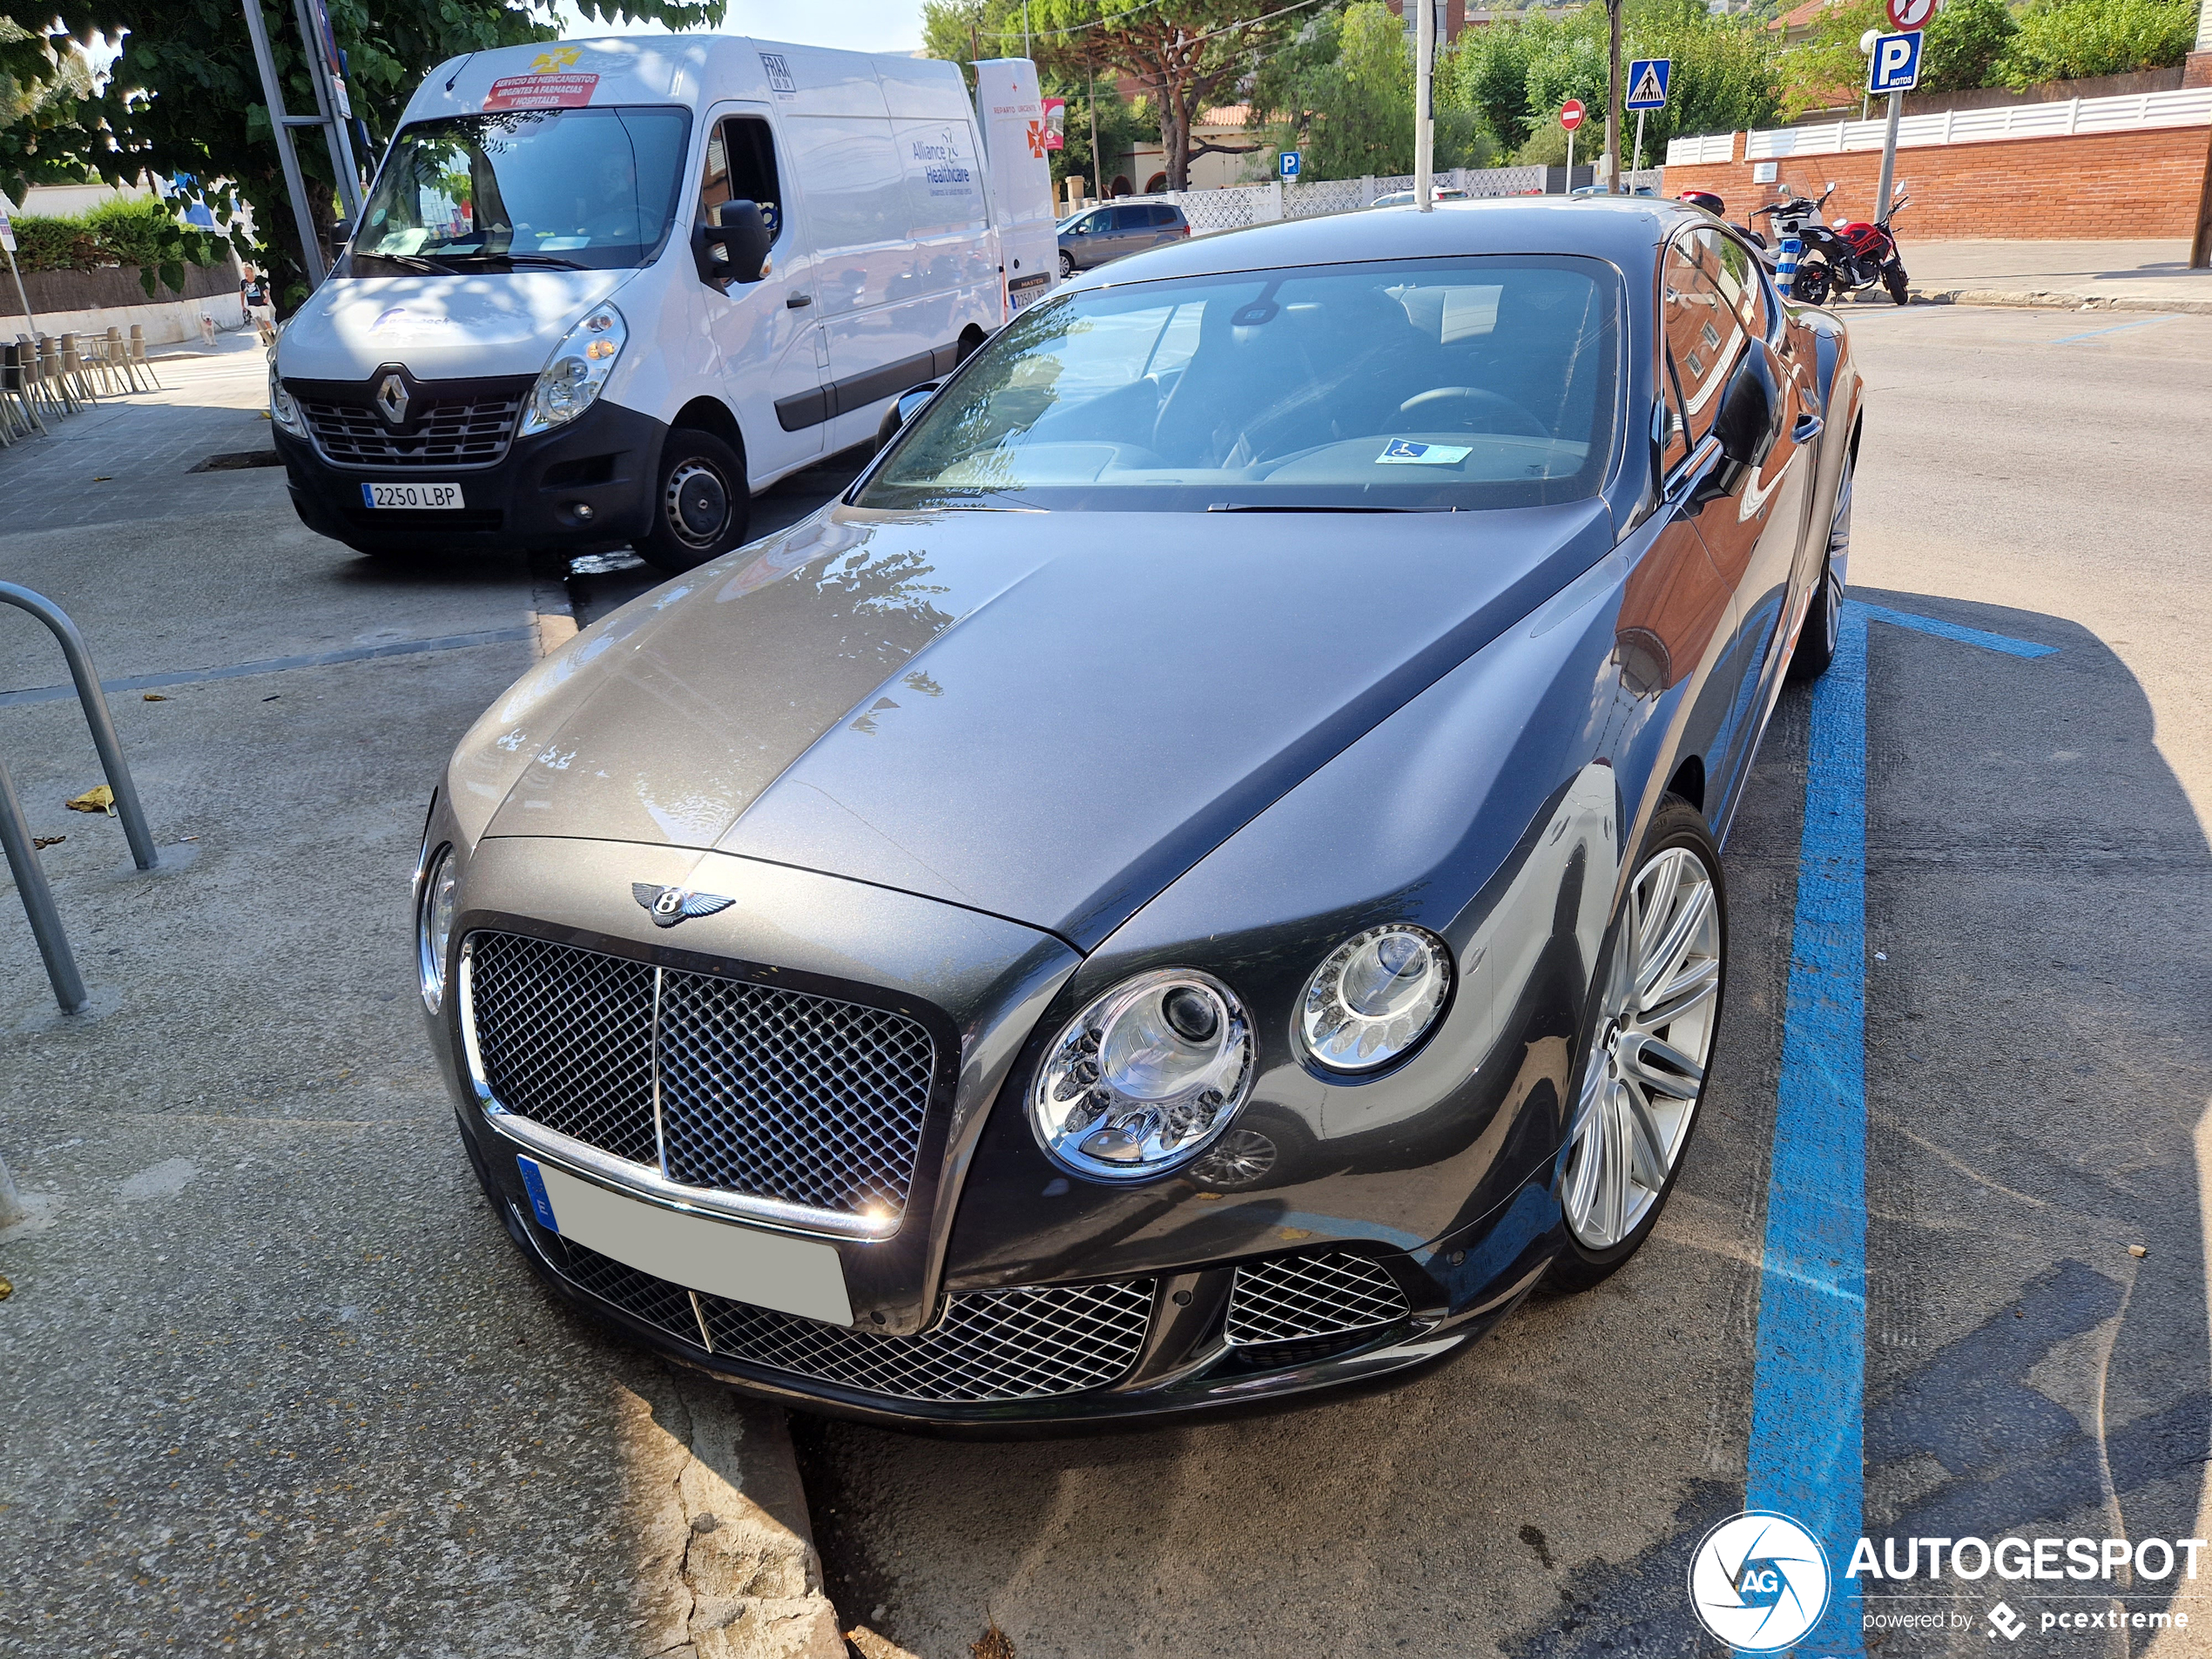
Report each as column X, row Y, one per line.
column 701, row 505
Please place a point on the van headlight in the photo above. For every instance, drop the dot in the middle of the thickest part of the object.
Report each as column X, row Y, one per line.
column 1374, row 996
column 282, row 409
column 434, row 925
column 574, row 375
column 1143, row 1079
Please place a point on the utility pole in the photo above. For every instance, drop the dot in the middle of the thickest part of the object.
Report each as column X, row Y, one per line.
column 1025, row 28
column 1612, row 101
column 1424, row 119
column 1097, row 161
column 280, row 125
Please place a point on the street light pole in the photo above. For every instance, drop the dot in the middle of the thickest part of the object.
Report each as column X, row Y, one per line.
column 1424, row 90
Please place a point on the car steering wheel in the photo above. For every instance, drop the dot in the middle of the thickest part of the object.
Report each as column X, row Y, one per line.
column 1476, row 400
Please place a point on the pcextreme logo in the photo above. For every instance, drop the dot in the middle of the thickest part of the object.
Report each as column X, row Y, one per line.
column 1758, row 1581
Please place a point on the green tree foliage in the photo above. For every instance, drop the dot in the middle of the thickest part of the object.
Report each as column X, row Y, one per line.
column 1343, row 95
column 1962, row 44
column 186, row 96
column 1512, row 77
column 2064, row 40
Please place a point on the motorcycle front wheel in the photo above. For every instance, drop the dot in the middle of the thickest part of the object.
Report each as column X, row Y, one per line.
column 1893, row 280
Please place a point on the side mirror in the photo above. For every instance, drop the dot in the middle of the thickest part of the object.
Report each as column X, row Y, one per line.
column 742, row 234
column 903, row 408
column 340, row 234
column 1746, row 422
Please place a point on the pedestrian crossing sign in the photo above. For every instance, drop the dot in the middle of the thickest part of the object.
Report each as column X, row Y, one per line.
column 1648, row 79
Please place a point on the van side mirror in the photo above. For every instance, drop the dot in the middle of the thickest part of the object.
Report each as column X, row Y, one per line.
column 743, row 236
column 903, row 408
column 340, row 234
column 1747, row 423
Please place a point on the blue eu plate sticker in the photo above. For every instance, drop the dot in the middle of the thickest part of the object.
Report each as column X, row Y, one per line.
column 1404, row 452
column 541, row 1206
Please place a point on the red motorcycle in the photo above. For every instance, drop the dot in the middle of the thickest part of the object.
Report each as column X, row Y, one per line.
column 1856, row 256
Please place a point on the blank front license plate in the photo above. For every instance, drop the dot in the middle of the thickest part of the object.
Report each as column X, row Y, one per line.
column 412, row 497
column 721, row 1257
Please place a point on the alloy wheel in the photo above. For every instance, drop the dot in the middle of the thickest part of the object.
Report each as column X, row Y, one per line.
column 1646, row 1068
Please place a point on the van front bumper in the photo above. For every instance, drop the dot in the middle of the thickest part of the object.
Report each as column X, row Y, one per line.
column 581, row 487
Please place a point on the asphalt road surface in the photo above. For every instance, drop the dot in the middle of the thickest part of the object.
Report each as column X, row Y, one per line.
column 2039, row 910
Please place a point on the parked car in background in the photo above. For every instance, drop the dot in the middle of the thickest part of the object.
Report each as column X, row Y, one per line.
column 1599, row 189
column 1405, row 198
column 1098, row 234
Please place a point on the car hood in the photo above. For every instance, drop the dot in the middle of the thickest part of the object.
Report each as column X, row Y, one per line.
column 442, row 327
column 1046, row 716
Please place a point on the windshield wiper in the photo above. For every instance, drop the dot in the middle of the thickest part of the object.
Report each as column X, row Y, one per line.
column 553, row 261
column 1270, row 507
column 413, row 262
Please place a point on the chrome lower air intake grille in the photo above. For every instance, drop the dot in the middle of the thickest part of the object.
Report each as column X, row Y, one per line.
column 987, row 1346
column 763, row 1091
column 1291, row 1299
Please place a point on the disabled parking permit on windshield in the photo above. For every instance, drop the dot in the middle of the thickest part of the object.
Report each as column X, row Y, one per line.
column 1404, row 452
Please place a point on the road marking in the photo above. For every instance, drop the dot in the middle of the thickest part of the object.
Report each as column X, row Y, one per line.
column 2117, row 329
column 274, row 665
column 1806, row 1457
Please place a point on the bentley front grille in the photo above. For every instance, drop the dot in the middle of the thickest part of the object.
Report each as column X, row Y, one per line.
column 762, row 1091
column 1293, row 1299
column 448, row 434
column 986, row 1344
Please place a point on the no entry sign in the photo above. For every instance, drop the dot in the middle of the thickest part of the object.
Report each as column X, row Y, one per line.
column 1571, row 112
column 1911, row 14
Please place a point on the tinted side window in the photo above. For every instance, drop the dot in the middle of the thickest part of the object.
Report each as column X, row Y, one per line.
column 1703, row 330
column 1164, row 218
column 741, row 167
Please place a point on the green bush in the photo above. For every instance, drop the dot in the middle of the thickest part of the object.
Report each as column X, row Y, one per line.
column 2065, row 40
column 1962, row 44
column 129, row 231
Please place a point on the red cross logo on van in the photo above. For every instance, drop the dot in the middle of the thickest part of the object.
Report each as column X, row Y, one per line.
column 1036, row 139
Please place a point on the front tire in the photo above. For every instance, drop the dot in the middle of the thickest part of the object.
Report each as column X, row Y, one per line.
column 1645, row 1057
column 1893, row 280
column 701, row 505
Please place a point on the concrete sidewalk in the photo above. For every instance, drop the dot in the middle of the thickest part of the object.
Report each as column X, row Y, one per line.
column 2089, row 276
column 272, row 1379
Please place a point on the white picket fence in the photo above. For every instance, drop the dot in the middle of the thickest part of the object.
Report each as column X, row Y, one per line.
column 2129, row 113
column 1241, row 204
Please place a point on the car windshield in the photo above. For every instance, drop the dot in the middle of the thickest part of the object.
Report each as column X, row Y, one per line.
column 590, row 188
column 1421, row 384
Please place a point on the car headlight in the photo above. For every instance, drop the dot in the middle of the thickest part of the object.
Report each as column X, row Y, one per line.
column 1140, row 1082
column 282, row 409
column 434, row 925
column 572, row 377
column 1374, row 996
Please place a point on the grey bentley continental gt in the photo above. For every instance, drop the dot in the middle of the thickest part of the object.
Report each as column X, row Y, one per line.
column 1197, row 880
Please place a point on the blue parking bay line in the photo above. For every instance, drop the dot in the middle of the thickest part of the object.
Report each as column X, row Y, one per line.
column 1808, row 1398
column 2117, row 329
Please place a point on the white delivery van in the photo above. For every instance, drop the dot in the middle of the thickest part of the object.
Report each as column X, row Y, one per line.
column 605, row 291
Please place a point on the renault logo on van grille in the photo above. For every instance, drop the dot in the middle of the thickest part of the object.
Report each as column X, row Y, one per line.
column 391, row 399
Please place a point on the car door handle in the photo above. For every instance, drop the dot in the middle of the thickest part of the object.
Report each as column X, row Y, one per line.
column 1807, row 429
column 795, row 301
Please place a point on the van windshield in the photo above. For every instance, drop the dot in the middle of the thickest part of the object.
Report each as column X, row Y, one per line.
column 592, row 189
column 1414, row 385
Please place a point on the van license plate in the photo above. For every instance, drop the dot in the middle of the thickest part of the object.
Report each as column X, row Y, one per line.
column 411, row 497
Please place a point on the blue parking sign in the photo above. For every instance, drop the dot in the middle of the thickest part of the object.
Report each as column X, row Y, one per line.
column 1648, row 79
column 1289, row 162
column 1895, row 67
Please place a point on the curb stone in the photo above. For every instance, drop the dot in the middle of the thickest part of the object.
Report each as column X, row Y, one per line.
column 2046, row 301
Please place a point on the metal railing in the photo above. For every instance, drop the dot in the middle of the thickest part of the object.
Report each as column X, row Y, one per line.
column 15, row 830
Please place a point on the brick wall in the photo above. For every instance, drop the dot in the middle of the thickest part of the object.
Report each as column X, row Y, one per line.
column 2107, row 186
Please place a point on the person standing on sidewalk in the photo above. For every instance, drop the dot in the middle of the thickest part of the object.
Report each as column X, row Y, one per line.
column 253, row 289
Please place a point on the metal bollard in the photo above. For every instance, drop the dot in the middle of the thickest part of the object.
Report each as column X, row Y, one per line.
column 38, row 900
column 94, row 702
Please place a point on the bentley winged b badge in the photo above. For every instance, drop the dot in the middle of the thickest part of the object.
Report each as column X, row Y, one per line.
column 669, row 906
